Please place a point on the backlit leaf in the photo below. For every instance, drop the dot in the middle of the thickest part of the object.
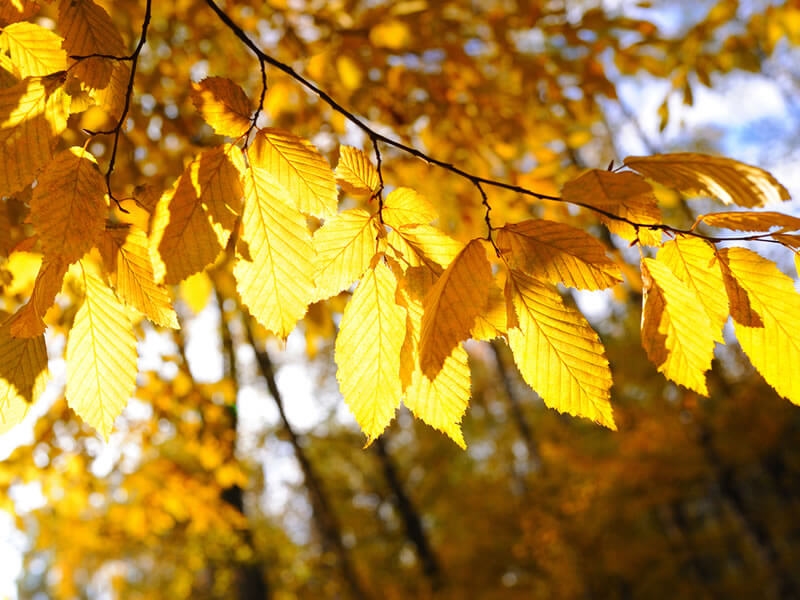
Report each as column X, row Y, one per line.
column 223, row 104
column 299, row 167
column 126, row 254
column 774, row 348
column 367, row 351
column 557, row 352
column 101, row 358
column 452, row 306
column 356, row 173
column 69, row 206
column 29, row 320
column 424, row 244
column 405, row 206
column 345, row 244
column 625, row 195
column 275, row 258
column 678, row 338
column 725, row 179
column 32, row 50
column 558, row 253
column 751, row 221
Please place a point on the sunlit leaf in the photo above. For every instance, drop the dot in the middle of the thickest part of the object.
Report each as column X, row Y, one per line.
column 29, row 320
column 751, row 221
column 404, row 206
column 356, row 173
column 32, row 50
column 223, row 104
column 424, row 244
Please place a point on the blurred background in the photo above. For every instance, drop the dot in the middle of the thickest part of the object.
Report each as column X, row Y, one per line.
column 237, row 471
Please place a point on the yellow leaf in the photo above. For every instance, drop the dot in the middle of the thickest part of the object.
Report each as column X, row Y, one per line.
column 356, row 173
column 773, row 347
column 23, row 374
column 196, row 290
column 557, row 352
column 192, row 222
column 101, row 358
column 678, row 338
column 32, row 114
column 32, row 50
column 111, row 98
column 299, row 167
column 394, row 35
column 492, row 322
column 126, row 255
column 345, row 244
column 416, row 245
column 69, row 206
column 224, row 106
column 452, row 306
column 275, row 257
column 29, row 320
column 728, row 180
column 750, row 221
column 558, row 253
column 367, row 351
column 349, row 73
column 625, row 195
column 404, row 206
column 88, row 29
column 441, row 403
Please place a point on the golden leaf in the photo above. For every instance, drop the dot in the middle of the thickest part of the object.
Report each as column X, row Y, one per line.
column 750, row 221
column 127, row 259
column 625, row 195
column 29, row 320
column 557, row 352
column 416, row 245
column 112, row 97
column 345, row 245
column 493, row 321
column 299, row 167
column 196, row 290
column 32, row 50
column 558, row 253
column 678, row 338
column 32, row 114
column 367, row 351
column 23, row 374
column 452, row 306
column 274, row 267
column 356, row 173
column 69, row 206
column 193, row 221
column 224, row 106
column 88, row 29
column 725, row 179
column 774, row 347
column 101, row 358
column 405, row 206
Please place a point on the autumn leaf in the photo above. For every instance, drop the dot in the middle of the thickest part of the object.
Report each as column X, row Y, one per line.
column 416, row 245
column 557, row 352
column 101, row 358
column 128, row 262
column 69, row 206
column 750, row 221
column 558, row 253
column 625, row 195
column 344, row 245
column 727, row 180
column 224, row 106
column 404, row 206
column 356, row 173
column 452, row 306
column 33, row 51
column 774, row 347
column 367, row 351
column 275, row 257
column 299, row 167
column 29, row 320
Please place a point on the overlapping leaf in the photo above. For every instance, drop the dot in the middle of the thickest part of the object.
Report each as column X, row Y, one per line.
column 356, row 173
column 33, row 113
column 404, row 206
column 452, row 306
column 101, row 358
column 678, row 338
column 299, row 167
column 29, row 320
column 127, row 259
column 558, row 253
column 32, row 50
column 223, row 104
column 416, row 245
column 275, row 257
column 557, row 352
column 345, row 245
column 751, row 221
column 773, row 347
column 69, row 207
column 192, row 222
column 367, row 350
column 88, row 29
column 725, row 179
column 625, row 195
